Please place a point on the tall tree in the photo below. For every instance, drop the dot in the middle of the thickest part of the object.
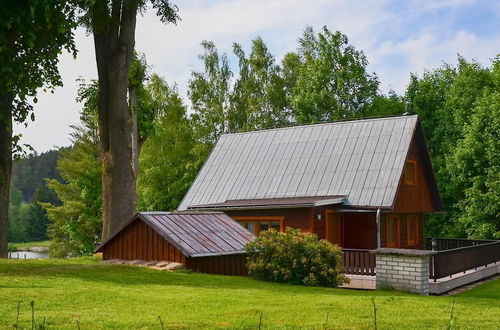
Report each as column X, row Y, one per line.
column 113, row 23
column 259, row 91
column 32, row 35
column 448, row 95
column 333, row 82
column 76, row 222
column 165, row 171
column 210, row 95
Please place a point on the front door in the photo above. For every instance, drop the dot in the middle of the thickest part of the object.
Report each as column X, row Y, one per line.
column 333, row 227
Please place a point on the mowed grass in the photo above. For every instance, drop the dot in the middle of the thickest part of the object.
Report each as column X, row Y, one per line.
column 102, row 296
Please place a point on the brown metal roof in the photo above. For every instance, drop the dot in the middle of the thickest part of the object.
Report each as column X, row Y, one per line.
column 196, row 234
column 295, row 202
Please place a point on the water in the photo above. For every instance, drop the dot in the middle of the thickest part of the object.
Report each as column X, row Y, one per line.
column 28, row 255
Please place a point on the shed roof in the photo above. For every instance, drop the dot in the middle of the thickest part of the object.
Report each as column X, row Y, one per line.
column 195, row 234
column 361, row 159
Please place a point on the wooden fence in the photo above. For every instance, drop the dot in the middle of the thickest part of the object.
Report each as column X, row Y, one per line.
column 461, row 259
column 358, row 262
column 441, row 244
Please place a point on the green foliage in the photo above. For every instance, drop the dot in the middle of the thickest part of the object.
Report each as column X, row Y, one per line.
column 76, row 224
column 456, row 106
column 32, row 35
column 475, row 165
column 164, row 172
column 296, row 258
column 332, row 83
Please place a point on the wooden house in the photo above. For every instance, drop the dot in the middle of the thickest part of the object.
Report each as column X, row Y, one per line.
column 209, row 242
column 361, row 184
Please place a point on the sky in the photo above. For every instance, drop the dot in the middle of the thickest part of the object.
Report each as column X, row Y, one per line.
column 398, row 38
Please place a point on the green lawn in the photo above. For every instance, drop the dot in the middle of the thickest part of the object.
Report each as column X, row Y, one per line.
column 114, row 296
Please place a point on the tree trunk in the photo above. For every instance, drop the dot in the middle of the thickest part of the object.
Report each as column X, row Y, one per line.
column 114, row 45
column 135, row 132
column 5, row 168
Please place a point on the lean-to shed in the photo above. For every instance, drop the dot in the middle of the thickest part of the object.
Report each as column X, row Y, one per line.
column 209, row 242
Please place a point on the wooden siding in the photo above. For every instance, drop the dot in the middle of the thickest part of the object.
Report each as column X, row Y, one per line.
column 234, row 264
column 139, row 241
column 415, row 198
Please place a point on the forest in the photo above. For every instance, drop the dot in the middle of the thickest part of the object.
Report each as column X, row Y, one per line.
column 57, row 195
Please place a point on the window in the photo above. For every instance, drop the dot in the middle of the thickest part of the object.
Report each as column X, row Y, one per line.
column 410, row 173
column 412, row 229
column 257, row 224
column 392, row 231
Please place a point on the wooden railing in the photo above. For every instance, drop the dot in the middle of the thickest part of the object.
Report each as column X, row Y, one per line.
column 441, row 244
column 358, row 262
column 461, row 259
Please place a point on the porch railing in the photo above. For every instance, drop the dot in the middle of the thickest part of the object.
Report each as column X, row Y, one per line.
column 441, row 244
column 461, row 259
column 358, row 262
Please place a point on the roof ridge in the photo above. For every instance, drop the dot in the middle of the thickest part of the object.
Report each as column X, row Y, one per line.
column 342, row 121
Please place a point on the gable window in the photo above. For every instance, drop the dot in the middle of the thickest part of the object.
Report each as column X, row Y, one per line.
column 410, row 173
column 412, row 229
column 392, row 231
column 257, row 224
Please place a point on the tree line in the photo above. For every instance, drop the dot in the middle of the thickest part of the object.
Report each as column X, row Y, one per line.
column 325, row 80
column 130, row 115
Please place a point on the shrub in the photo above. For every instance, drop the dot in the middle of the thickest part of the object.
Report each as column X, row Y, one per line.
column 296, row 258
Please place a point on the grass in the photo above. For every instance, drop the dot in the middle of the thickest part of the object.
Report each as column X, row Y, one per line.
column 102, row 296
column 13, row 247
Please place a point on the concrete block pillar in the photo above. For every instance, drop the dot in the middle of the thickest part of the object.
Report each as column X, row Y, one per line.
column 403, row 269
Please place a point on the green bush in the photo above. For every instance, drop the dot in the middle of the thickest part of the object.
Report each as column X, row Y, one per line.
column 11, row 247
column 296, row 258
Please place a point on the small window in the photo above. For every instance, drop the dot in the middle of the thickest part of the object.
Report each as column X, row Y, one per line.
column 258, row 225
column 410, row 173
column 412, row 229
column 392, row 231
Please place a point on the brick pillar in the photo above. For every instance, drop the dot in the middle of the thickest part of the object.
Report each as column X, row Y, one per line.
column 403, row 269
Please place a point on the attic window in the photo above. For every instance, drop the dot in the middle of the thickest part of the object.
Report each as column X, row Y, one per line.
column 410, row 173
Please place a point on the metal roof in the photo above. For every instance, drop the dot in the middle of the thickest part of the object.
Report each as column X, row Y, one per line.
column 196, row 234
column 361, row 159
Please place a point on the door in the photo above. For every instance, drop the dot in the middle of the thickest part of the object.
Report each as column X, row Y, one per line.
column 333, row 227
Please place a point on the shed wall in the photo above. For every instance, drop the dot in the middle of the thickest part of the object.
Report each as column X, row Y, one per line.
column 234, row 264
column 140, row 241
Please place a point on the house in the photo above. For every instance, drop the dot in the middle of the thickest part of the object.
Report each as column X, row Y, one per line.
column 361, row 184
column 209, row 242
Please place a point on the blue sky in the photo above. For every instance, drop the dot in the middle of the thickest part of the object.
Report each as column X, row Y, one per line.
column 398, row 38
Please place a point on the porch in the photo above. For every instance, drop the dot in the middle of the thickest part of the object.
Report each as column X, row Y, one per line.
column 456, row 262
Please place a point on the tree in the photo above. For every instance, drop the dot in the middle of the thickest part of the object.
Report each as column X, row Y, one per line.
column 333, row 82
column 475, row 165
column 165, row 173
column 259, row 96
column 76, row 223
column 445, row 100
column 113, row 23
column 32, row 35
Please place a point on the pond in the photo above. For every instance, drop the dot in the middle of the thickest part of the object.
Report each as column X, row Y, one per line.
column 28, row 255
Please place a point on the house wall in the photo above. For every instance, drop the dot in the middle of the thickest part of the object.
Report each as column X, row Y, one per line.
column 140, row 241
column 415, row 198
column 359, row 231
